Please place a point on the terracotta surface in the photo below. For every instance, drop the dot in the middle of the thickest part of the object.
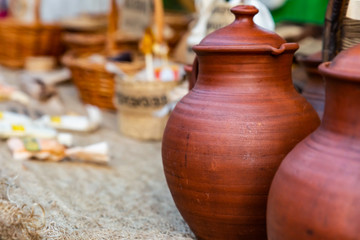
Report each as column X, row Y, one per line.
column 226, row 138
column 314, row 89
column 190, row 74
column 315, row 193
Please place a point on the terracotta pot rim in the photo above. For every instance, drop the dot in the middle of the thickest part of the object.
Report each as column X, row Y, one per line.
column 326, row 71
column 250, row 48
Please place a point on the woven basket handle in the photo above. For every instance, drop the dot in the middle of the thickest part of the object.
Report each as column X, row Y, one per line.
column 112, row 28
column 159, row 20
column 37, row 11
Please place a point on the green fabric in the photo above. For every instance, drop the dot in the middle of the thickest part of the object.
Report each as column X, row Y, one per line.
column 302, row 11
column 173, row 5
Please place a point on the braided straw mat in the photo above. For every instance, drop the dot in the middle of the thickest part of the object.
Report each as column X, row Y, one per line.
column 128, row 199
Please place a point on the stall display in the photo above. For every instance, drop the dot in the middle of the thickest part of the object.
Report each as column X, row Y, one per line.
column 20, row 40
column 225, row 140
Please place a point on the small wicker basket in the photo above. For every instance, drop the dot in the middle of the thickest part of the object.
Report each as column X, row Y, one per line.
column 137, row 103
column 21, row 40
column 95, row 84
column 92, row 42
column 84, row 42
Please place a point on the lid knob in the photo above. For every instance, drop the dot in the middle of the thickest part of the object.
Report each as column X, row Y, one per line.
column 244, row 34
column 244, row 12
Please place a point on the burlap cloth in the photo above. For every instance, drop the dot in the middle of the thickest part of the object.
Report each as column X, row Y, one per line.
column 128, row 199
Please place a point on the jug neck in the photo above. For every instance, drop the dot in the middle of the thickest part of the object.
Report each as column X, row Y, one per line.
column 342, row 108
column 243, row 73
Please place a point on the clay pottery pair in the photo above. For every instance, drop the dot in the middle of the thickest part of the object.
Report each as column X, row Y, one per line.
column 225, row 140
column 314, row 88
column 316, row 191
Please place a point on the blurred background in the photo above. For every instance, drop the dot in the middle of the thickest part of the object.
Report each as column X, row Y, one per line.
column 95, row 81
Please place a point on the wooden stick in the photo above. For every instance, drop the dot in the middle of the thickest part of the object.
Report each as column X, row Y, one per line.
column 112, row 27
column 159, row 20
column 335, row 13
column 37, row 9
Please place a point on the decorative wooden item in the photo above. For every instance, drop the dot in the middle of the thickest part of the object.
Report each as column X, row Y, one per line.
column 226, row 138
column 315, row 194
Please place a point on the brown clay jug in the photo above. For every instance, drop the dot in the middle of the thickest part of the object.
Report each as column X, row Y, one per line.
column 315, row 193
column 314, row 88
column 226, row 138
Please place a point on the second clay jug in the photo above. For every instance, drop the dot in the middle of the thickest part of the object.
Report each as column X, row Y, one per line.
column 315, row 193
column 226, row 138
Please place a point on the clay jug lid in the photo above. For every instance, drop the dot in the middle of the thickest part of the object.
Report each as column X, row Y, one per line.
column 345, row 65
column 243, row 33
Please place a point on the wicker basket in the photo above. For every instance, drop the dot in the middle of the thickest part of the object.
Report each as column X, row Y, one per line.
column 87, row 34
column 95, row 42
column 137, row 102
column 20, row 40
column 95, row 84
column 84, row 42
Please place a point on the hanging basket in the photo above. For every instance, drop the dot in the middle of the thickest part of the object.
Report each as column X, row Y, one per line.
column 20, row 40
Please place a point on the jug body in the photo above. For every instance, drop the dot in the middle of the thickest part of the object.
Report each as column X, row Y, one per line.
column 225, row 140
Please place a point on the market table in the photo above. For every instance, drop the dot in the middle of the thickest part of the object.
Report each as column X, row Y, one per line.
column 127, row 199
